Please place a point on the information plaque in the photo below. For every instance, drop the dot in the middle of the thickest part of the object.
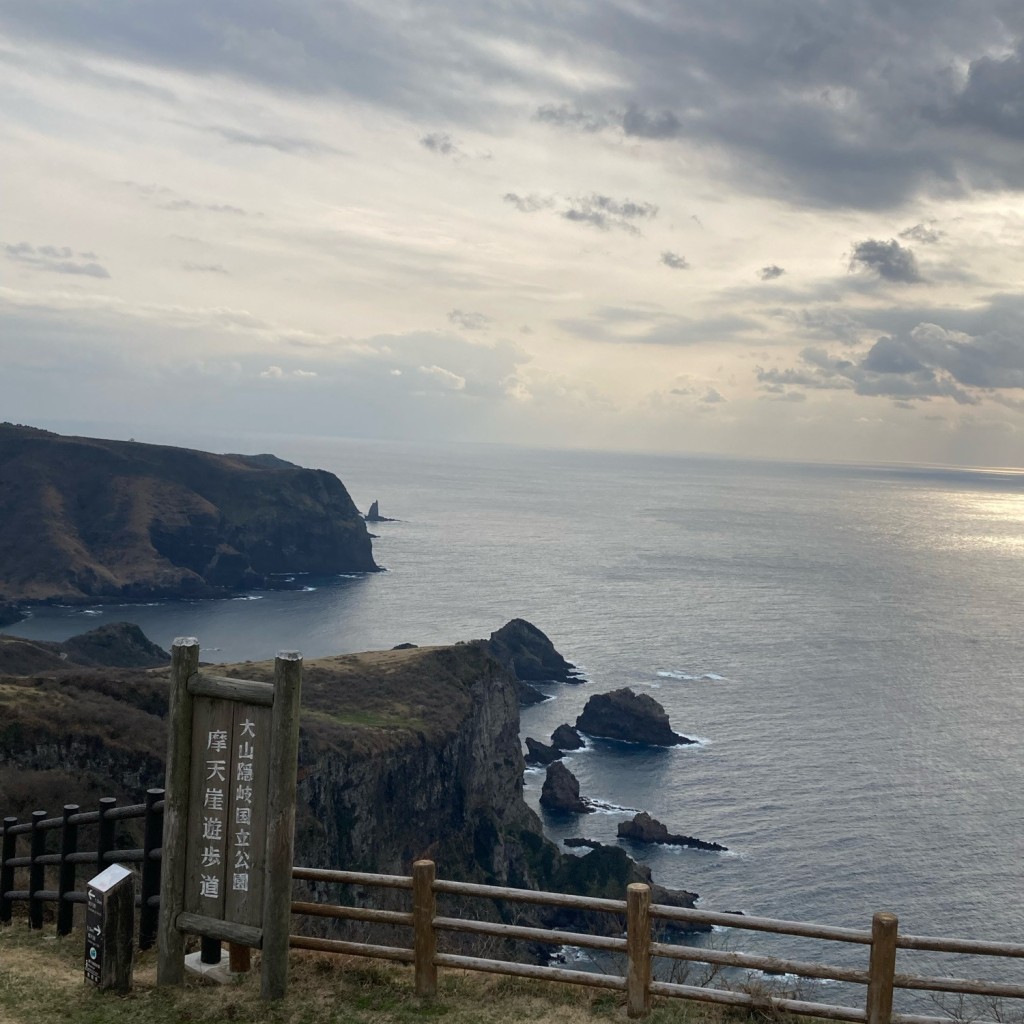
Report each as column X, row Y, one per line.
column 109, row 928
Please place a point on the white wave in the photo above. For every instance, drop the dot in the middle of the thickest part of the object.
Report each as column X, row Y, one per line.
column 92, row 611
column 603, row 807
column 715, row 677
column 248, row 597
column 307, row 590
column 670, row 674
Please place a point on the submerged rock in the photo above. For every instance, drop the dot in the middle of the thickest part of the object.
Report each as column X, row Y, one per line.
column 625, row 715
column 645, row 829
column 561, row 791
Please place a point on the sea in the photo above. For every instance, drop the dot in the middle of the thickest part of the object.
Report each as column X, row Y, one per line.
column 844, row 643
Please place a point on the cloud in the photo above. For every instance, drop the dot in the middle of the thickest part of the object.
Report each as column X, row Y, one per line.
column 268, row 140
column 771, row 272
column 529, row 204
column 674, row 260
column 605, row 213
column 712, row 397
column 56, row 260
column 564, row 116
column 204, row 268
column 443, row 378
column 277, row 373
column 890, row 260
column 651, row 326
column 663, row 125
column 469, row 321
column 993, row 95
column 440, row 142
column 924, row 233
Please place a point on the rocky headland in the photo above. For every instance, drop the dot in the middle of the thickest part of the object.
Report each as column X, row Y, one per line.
column 630, row 717
column 403, row 754
column 88, row 520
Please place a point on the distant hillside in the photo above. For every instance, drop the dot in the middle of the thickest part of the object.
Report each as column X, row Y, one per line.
column 114, row 645
column 84, row 519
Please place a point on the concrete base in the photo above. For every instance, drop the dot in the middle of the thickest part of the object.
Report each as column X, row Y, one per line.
column 218, row 973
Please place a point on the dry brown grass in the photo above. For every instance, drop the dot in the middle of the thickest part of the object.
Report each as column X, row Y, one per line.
column 41, row 983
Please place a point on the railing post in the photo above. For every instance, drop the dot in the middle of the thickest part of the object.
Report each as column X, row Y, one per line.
column 36, row 871
column 882, row 967
column 638, row 949
column 7, row 873
column 424, row 909
column 151, row 838
column 104, row 832
column 66, row 876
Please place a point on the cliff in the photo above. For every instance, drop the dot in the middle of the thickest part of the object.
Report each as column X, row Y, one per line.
column 84, row 519
column 403, row 754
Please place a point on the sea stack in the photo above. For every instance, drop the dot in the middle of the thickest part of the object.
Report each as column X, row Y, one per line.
column 633, row 717
column 561, row 791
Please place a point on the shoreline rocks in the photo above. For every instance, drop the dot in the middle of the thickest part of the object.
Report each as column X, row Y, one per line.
column 565, row 737
column 645, row 829
column 632, row 717
column 522, row 647
column 540, row 753
column 561, row 791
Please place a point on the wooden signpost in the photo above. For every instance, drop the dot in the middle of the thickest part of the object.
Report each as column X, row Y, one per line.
column 229, row 813
column 109, row 924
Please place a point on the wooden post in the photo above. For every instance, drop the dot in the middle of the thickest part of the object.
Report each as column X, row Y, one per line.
column 36, row 871
column 239, row 960
column 882, row 967
column 7, row 850
column 66, row 876
column 152, row 829
column 424, row 910
column 284, row 753
column 638, row 949
column 105, row 832
column 109, row 924
column 170, row 942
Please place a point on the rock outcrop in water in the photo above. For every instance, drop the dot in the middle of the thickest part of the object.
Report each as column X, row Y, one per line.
column 645, row 829
column 565, row 737
column 625, row 715
column 540, row 753
column 561, row 791
column 87, row 520
column 521, row 646
column 374, row 516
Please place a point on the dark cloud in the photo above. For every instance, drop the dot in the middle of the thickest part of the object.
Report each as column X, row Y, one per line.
column 663, row 125
column 529, row 204
column 889, row 260
column 993, row 95
column 771, row 272
column 469, row 321
column 440, row 142
column 674, row 260
column 924, row 233
column 564, row 116
column 605, row 213
column 56, row 260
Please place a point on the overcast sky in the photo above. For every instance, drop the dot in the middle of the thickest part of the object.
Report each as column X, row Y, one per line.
column 783, row 228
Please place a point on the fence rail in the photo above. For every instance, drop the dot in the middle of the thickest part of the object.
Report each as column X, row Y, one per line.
column 639, row 947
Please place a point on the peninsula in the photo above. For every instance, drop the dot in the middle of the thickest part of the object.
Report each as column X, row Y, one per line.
column 90, row 520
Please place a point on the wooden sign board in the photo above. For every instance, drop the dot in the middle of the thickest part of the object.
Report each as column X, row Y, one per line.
column 229, row 812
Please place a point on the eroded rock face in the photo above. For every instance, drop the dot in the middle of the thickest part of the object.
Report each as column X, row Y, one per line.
column 645, row 829
column 561, row 791
column 625, row 715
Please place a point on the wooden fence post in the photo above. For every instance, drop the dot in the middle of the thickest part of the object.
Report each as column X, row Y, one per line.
column 882, row 967
column 170, row 967
column 424, row 909
column 36, row 871
column 105, row 831
column 638, row 949
column 66, row 874
column 277, row 892
column 7, row 873
column 152, row 829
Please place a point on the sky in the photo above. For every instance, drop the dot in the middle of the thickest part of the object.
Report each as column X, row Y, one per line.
column 767, row 228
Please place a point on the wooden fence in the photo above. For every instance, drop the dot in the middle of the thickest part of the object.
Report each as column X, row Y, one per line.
column 639, row 947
